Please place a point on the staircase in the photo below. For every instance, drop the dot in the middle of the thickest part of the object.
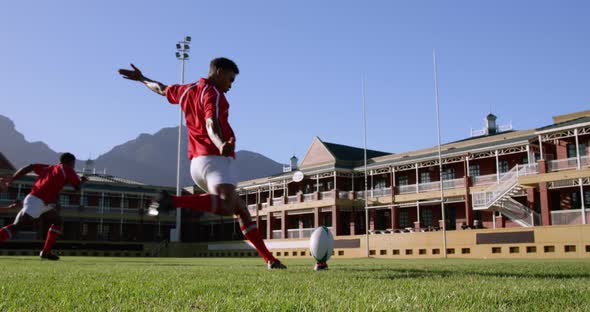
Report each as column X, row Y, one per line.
column 498, row 197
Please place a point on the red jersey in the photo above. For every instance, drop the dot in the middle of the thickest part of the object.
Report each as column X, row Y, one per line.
column 200, row 101
column 51, row 180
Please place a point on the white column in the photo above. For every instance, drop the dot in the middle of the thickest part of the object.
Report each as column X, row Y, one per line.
column 417, row 178
column 418, row 212
column 317, row 183
column 467, row 173
column 392, row 178
column 584, row 221
column 541, row 147
column 372, row 184
column 497, row 168
column 493, row 219
column 529, row 156
column 335, row 188
column 578, row 160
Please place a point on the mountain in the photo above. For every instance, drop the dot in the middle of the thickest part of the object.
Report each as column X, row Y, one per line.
column 18, row 150
column 149, row 158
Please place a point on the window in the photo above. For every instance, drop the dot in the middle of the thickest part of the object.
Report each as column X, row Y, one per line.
column 125, row 203
column 402, row 180
column 448, row 174
column 4, row 196
column 474, row 170
column 571, row 150
column 83, row 200
column 576, row 200
column 525, row 160
column 403, row 219
column 64, row 200
column 424, row 177
column 380, row 184
column 426, row 217
column 504, row 166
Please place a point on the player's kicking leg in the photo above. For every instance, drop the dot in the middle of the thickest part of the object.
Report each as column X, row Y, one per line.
column 227, row 203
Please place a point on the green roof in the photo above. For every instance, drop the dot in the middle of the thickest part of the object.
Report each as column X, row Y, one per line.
column 565, row 123
column 350, row 153
column 457, row 150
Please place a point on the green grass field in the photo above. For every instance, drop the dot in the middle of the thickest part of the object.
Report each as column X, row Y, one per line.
column 225, row 284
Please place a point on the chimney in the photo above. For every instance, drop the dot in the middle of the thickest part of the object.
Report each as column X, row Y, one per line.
column 491, row 127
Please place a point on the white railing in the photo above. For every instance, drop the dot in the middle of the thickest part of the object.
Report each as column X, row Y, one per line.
column 306, row 232
column 252, row 209
column 382, row 192
column 563, row 164
column 360, row 194
column 277, row 201
column 292, row 199
column 264, row 205
column 327, row 195
column 300, row 233
column 343, row 194
column 453, row 183
column 405, row 189
column 428, row 187
column 293, row 233
column 486, row 199
column 277, row 234
column 570, row 216
column 485, row 179
column 308, row 197
column 585, row 161
column 518, row 212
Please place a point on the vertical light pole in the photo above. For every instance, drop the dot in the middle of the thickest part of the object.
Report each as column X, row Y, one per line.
column 440, row 169
column 365, row 159
column 182, row 50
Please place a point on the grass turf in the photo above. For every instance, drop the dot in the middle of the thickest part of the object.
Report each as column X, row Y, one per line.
column 167, row 284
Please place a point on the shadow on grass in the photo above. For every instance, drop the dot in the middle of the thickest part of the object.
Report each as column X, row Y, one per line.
column 388, row 273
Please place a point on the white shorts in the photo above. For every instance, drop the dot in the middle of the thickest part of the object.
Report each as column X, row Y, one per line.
column 208, row 171
column 35, row 207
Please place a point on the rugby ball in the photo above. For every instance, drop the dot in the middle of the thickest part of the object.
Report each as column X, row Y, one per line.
column 321, row 244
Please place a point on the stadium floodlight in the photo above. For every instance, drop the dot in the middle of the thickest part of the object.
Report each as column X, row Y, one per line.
column 182, row 50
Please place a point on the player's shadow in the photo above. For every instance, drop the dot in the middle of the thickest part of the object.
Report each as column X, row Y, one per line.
column 392, row 274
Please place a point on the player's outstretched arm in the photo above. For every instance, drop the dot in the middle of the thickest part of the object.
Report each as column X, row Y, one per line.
column 7, row 180
column 136, row 75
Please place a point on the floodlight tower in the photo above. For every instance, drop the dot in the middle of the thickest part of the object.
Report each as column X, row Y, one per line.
column 182, row 54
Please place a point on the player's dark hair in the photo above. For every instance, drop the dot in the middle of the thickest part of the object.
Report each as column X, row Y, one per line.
column 67, row 158
column 223, row 63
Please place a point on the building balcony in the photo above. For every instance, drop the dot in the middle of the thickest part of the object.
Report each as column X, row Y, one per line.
column 568, row 217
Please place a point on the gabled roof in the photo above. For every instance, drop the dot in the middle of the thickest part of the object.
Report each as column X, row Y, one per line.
column 351, row 153
column 572, row 122
column 324, row 153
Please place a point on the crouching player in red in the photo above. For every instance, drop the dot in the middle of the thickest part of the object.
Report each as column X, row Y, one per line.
column 211, row 144
column 40, row 203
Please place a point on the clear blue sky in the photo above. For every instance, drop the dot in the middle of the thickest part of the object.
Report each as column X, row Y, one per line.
column 301, row 65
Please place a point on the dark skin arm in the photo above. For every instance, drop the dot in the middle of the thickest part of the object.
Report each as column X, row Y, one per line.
column 136, row 75
column 7, row 180
column 214, row 132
